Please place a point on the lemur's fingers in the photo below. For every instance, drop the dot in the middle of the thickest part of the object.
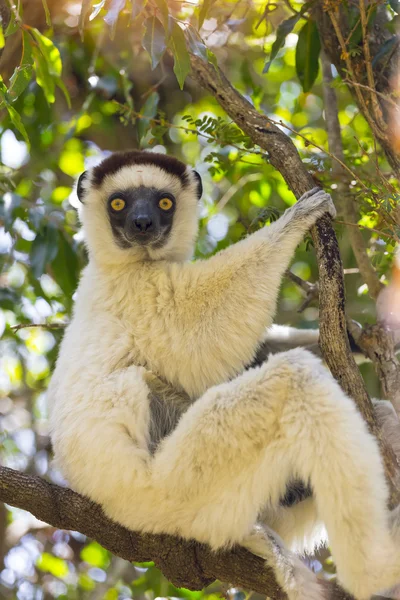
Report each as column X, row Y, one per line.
column 311, row 192
column 319, row 202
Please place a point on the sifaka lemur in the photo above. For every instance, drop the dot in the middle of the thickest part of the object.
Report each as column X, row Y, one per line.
column 213, row 459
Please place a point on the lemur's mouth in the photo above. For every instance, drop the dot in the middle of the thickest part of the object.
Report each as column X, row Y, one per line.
column 142, row 238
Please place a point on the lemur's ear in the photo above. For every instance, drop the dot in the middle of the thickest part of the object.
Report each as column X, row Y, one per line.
column 79, row 186
column 199, row 184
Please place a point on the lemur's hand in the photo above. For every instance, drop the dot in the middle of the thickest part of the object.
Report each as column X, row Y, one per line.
column 318, row 202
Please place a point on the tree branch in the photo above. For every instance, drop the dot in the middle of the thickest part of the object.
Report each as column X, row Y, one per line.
column 377, row 342
column 185, row 563
column 334, row 29
column 333, row 333
column 346, row 201
column 374, row 340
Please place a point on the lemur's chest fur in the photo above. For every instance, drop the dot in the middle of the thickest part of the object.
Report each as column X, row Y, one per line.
column 138, row 329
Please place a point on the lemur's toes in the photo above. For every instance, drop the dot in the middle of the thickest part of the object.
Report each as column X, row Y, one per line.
column 311, row 192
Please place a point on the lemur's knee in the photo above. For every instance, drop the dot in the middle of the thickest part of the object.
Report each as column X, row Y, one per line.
column 301, row 373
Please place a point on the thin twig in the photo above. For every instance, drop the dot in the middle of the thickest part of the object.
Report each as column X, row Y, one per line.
column 16, row 328
column 235, row 188
column 132, row 114
column 306, row 286
column 395, row 239
column 349, row 66
column 311, row 143
column 384, row 97
column 311, row 290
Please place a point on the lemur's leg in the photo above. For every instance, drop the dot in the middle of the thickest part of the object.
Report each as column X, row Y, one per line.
column 299, row 582
column 236, row 448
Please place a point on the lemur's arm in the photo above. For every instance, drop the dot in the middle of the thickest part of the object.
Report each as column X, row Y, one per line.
column 228, row 300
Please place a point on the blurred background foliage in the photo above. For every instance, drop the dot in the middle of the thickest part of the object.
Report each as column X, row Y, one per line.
column 98, row 77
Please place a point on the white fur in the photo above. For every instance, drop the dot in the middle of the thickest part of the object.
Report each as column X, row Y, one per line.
column 248, row 433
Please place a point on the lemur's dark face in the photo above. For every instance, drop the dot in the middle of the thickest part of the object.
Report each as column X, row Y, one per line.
column 142, row 216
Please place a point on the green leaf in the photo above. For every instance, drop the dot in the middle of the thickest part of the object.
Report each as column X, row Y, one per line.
column 65, row 266
column 12, row 27
column 48, row 67
column 307, row 55
column 195, row 43
column 283, row 30
column 49, row 51
column 212, row 59
column 154, row 40
column 22, row 75
column 17, row 122
column 163, row 8
column 112, row 15
column 86, row 6
column 43, row 77
column 395, row 5
column 2, row 39
column 177, row 45
column 205, row 7
column 149, row 110
column 44, row 249
column 60, row 84
column 47, row 13
column 16, row 19
column 137, row 8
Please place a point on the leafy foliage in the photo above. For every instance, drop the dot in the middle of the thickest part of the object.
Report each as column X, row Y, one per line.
column 307, row 53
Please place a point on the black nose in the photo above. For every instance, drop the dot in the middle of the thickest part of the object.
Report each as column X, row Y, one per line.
column 143, row 223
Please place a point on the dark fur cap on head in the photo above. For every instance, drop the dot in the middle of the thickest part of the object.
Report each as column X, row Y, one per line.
column 118, row 160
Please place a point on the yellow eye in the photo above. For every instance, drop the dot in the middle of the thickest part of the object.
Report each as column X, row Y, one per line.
column 117, row 204
column 165, row 203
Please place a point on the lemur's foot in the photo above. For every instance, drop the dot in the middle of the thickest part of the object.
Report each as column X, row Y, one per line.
column 317, row 200
column 294, row 577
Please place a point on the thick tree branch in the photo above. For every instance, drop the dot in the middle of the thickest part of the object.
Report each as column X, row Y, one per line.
column 333, row 333
column 185, row 563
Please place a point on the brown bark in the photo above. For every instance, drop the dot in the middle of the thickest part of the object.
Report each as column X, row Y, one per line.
column 185, row 563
